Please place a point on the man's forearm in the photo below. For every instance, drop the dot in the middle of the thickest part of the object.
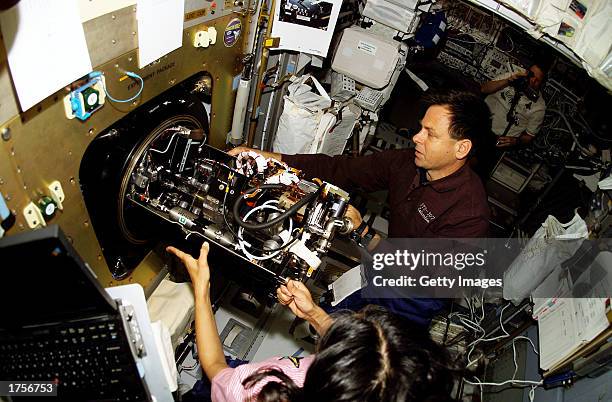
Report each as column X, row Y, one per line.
column 494, row 86
column 273, row 155
column 525, row 139
column 210, row 350
column 312, row 165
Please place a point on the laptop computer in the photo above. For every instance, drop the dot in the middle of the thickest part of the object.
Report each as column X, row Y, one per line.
column 58, row 324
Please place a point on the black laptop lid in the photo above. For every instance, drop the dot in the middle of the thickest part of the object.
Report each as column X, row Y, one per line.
column 44, row 280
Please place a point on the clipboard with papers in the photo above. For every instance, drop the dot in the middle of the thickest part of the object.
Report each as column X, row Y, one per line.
column 574, row 319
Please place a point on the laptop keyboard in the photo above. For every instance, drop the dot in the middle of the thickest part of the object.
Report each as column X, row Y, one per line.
column 89, row 360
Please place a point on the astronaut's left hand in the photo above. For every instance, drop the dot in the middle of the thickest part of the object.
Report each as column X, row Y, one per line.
column 198, row 270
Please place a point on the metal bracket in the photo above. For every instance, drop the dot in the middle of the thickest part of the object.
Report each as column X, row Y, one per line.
column 33, row 216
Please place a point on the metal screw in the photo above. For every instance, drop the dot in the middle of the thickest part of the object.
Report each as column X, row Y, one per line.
column 6, row 133
column 1, row 181
column 113, row 16
column 114, row 41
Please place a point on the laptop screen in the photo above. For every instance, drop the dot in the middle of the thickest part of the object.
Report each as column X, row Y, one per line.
column 43, row 280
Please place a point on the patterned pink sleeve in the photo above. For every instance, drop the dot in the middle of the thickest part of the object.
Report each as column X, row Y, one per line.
column 227, row 384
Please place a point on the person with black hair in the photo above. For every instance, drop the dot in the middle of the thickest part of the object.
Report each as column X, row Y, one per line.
column 517, row 105
column 433, row 191
column 370, row 355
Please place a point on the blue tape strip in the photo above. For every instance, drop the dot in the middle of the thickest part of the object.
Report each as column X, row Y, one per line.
column 236, row 82
column 4, row 211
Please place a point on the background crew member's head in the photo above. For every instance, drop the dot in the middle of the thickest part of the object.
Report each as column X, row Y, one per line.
column 536, row 76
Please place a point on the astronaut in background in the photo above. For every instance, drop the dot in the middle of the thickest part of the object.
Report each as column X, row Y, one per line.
column 517, row 106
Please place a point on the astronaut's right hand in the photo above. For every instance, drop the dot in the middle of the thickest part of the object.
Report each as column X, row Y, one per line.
column 518, row 75
column 297, row 297
column 236, row 151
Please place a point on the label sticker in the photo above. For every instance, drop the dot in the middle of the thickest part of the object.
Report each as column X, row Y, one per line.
column 367, row 47
column 195, row 14
column 92, row 99
column 232, row 32
column 50, row 209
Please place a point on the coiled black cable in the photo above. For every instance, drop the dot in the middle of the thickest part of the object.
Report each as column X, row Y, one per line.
column 271, row 250
column 275, row 221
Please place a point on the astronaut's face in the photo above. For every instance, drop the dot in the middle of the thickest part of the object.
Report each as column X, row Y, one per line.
column 537, row 78
column 436, row 151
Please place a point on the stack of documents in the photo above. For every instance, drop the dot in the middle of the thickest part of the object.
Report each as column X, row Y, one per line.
column 568, row 318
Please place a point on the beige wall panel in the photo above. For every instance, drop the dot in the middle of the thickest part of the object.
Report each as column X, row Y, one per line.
column 111, row 35
column 90, row 9
column 46, row 146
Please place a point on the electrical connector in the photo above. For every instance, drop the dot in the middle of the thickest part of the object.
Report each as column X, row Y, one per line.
column 87, row 99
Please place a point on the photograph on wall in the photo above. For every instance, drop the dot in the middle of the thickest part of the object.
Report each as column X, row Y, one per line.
column 310, row 13
column 306, row 25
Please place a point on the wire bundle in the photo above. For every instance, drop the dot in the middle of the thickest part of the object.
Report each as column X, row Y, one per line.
column 472, row 324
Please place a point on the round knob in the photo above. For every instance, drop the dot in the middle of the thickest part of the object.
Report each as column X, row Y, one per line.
column 47, row 207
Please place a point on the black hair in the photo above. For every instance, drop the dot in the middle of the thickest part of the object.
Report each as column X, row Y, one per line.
column 283, row 390
column 371, row 355
column 470, row 115
column 544, row 63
